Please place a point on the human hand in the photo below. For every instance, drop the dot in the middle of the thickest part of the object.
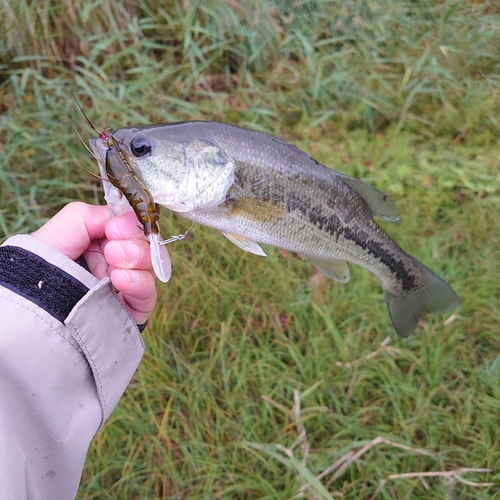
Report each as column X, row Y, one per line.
column 112, row 246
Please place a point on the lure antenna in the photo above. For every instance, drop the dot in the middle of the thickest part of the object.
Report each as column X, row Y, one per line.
column 91, row 173
column 87, row 148
column 92, row 153
column 102, row 135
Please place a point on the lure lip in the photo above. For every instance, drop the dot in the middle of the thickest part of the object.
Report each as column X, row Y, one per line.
column 160, row 258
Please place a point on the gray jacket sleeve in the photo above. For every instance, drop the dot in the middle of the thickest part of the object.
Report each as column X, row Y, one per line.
column 68, row 349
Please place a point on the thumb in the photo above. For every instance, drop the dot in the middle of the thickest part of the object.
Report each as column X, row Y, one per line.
column 72, row 229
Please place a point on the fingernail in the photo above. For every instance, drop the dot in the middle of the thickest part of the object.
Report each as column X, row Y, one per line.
column 133, row 277
column 129, row 250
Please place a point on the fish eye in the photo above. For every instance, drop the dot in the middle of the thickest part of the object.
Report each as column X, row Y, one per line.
column 140, row 146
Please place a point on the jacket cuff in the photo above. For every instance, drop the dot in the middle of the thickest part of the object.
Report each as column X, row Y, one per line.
column 98, row 324
column 110, row 341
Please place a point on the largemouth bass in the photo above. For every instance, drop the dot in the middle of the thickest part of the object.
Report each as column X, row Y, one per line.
column 255, row 188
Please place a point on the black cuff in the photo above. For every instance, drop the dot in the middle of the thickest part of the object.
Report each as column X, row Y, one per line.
column 82, row 262
column 143, row 326
column 40, row 282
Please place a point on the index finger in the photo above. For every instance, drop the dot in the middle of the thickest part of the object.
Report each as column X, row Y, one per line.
column 125, row 227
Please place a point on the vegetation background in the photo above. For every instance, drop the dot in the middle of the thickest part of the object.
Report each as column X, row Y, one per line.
column 262, row 379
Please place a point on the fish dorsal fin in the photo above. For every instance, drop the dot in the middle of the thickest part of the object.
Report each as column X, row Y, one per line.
column 245, row 244
column 335, row 269
column 380, row 204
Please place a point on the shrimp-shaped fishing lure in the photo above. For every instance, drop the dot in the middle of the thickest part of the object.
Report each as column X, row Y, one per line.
column 123, row 190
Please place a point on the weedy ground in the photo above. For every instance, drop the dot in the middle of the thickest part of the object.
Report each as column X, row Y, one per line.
column 261, row 378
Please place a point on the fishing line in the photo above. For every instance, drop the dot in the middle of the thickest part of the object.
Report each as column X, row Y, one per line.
column 179, row 237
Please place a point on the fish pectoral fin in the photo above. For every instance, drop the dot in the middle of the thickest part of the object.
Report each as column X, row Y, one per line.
column 245, row 244
column 380, row 203
column 258, row 209
column 335, row 269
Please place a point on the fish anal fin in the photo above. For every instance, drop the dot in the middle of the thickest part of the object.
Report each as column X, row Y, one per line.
column 335, row 269
column 245, row 244
column 380, row 203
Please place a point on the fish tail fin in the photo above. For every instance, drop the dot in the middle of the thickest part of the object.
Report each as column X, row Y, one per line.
column 431, row 295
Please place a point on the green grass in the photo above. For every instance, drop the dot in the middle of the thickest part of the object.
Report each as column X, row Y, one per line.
column 234, row 336
column 401, row 94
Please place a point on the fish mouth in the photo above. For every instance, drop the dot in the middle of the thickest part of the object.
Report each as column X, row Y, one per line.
column 99, row 148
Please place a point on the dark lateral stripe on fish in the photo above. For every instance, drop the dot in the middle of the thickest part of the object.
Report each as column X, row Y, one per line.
column 334, row 226
column 245, row 174
column 397, row 266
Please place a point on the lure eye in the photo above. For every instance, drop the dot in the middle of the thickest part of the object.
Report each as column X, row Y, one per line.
column 140, row 146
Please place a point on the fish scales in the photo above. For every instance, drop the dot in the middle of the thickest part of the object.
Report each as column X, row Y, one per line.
column 255, row 188
column 324, row 206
